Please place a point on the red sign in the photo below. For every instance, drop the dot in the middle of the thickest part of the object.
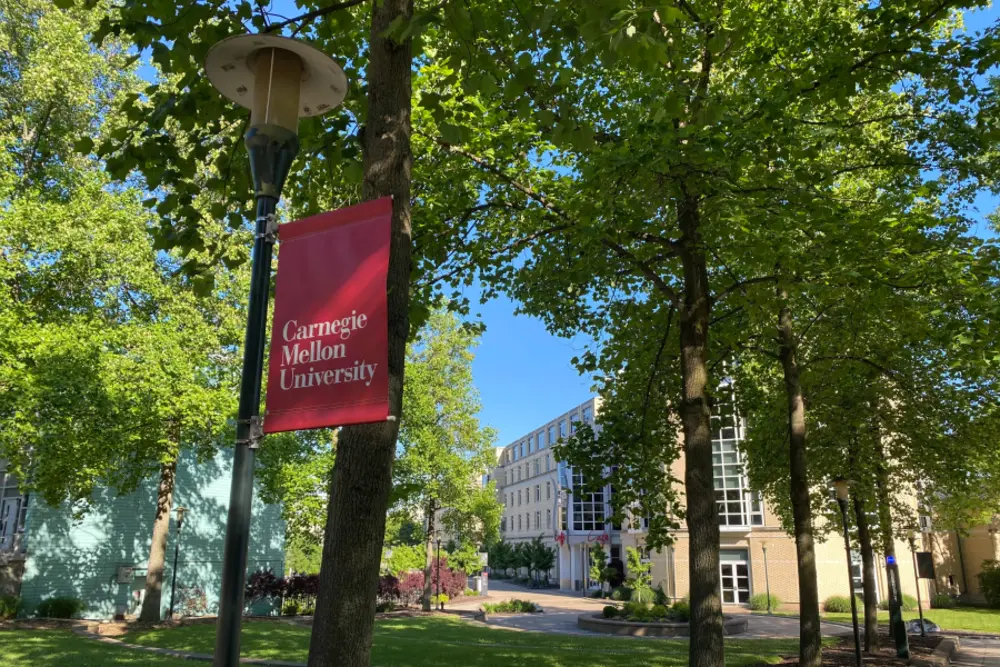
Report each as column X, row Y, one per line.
column 330, row 334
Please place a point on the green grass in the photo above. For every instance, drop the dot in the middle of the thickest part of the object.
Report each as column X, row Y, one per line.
column 48, row 648
column 969, row 619
column 422, row 641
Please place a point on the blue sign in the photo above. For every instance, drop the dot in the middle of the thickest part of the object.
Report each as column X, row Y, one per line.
column 890, row 560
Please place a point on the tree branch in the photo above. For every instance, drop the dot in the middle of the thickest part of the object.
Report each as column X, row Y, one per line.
column 652, row 373
column 316, row 13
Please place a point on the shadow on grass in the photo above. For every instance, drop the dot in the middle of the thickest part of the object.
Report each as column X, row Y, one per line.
column 60, row 648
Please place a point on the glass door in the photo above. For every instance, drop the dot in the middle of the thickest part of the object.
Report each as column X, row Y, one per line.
column 735, row 570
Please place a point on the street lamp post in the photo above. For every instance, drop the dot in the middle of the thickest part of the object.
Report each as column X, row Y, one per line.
column 767, row 579
column 279, row 80
column 840, row 485
column 916, row 579
column 177, row 546
column 440, row 604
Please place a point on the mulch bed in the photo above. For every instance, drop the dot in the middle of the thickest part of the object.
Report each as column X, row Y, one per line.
column 842, row 654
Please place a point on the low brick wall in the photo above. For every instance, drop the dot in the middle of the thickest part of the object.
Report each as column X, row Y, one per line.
column 731, row 625
column 942, row 655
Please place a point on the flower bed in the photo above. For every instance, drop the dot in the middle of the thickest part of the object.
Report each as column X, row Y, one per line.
column 731, row 625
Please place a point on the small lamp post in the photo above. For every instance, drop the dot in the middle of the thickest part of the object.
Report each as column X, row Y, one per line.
column 767, row 579
column 440, row 603
column 181, row 511
column 916, row 580
column 280, row 80
column 841, row 488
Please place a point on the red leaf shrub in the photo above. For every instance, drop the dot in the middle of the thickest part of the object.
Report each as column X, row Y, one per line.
column 411, row 584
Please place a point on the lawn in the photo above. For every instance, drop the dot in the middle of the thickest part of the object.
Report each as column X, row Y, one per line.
column 969, row 619
column 404, row 642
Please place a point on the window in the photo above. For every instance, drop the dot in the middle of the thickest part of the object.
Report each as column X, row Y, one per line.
column 588, row 508
column 548, row 490
column 519, row 522
column 738, row 506
column 522, row 450
column 548, row 463
column 530, row 444
column 515, row 453
column 552, row 435
column 588, row 415
column 538, row 492
column 541, row 439
column 519, row 497
column 519, row 473
column 538, row 465
column 13, row 511
column 503, row 525
column 527, row 470
column 563, row 520
column 562, row 428
column 548, row 518
column 573, row 419
column 538, row 520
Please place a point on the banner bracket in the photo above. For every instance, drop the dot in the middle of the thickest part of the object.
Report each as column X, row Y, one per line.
column 270, row 233
column 256, row 432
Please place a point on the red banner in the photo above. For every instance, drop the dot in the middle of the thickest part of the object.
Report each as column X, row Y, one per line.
column 330, row 334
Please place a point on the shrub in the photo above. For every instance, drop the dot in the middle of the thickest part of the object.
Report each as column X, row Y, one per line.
column 681, row 611
column 9, row 606
column 191, row 601
column 758, row 602
column 60, row 607
column 598, row 594
column 441, row 600
column 839, row 604
column 909, row 603
column 610, row 611
column 942, row 601
column 989, row 582
column 636, row 609
column 261, row 586
column 659, row 611
column 511, row 607
column 659, row 597
column 621, row 594
column 291, row 607
column 388, row 589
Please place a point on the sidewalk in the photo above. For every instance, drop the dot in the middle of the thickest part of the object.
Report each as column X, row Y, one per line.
column 978, row 653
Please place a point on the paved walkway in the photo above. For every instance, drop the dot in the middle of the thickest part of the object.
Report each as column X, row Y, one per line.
column 978, row 653
column 562, row 608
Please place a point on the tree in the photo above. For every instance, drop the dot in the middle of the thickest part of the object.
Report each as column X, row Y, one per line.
column 542, row 558
column 444, row 450
column 117, row 365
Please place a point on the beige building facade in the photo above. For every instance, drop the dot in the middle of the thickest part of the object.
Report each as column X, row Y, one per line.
column 756, row 554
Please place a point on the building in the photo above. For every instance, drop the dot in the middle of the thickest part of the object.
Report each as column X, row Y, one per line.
column 537, row 493
column 101, row 559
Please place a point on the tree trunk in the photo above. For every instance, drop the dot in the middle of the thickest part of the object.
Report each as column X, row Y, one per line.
column 429, row 560
column 867, row 574
column 706, row 647
column 362, row 475
column 158, row 548
column 810, row 641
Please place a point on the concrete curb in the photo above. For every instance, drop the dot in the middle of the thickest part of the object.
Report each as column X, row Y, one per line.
column 82, row 631
column 942, row 656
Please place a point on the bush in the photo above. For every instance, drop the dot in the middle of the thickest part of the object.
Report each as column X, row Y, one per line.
column 909, row 603
column 659, row 597
column 758, row 602
column 441, row 600
column 839, row 604
column 621, row 594
column 262, row 586
column 9, row 606
column 610, row 611
column 470, row 593
column 989, row 582
column 597, row 595
column 681, row 611
column 511, row 607
column 61, row 607
column 942, row 601
column 659, row 611
column 636, row 609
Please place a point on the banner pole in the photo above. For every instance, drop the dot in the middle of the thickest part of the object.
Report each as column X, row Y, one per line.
column 248, row 434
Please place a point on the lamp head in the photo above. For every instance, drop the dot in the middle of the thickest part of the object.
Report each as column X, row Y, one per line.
column 763, row 546
column 279, row 79
column 181, row 511
column 841, row 486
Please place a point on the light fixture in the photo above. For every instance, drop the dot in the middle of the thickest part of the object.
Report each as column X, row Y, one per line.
column 841, row 486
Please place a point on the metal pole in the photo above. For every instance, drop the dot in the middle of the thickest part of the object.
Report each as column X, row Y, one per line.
column 440, row 606
column 916, row 578
column 767, row 583
column 234, row 559
column 850, row 579
column 173, row 577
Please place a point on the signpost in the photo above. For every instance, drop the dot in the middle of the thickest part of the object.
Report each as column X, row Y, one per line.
column 896, row 624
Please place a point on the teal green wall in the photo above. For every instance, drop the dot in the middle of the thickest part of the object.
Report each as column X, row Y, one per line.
column 81, row 558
